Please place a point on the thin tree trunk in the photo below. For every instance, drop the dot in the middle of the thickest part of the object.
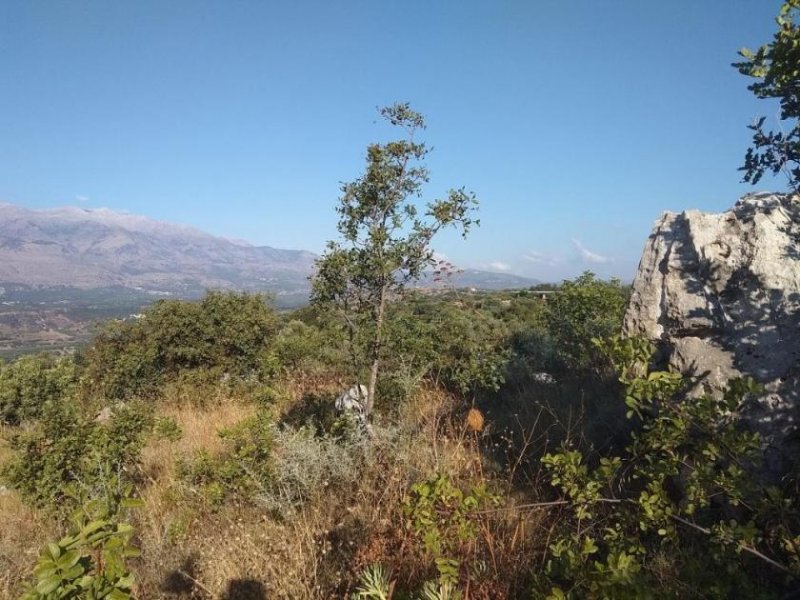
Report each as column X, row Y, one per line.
column 376, row 351
column 351, row 336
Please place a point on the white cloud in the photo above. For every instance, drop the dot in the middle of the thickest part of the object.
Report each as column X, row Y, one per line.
column 499, row 266
column 589, row 256
column 80, row 198
column 539, row 258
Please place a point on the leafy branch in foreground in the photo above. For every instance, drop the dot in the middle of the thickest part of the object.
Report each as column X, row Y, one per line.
column 682, row 499
column 89, row 563
column 776, row 67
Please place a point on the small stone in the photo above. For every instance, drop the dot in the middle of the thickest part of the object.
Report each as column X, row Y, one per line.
column 104, row 415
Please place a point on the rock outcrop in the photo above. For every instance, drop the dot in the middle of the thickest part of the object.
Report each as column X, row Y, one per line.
column 720, row 295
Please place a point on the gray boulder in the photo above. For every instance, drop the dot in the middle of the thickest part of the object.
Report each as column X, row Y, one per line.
column 105, row 415
column 353, row 400
column 720, row 295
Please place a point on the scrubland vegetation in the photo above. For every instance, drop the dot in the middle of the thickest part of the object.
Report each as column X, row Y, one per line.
column 510, row 448
column 196, row 452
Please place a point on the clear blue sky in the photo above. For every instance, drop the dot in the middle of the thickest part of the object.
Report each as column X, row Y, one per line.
column 576, row 123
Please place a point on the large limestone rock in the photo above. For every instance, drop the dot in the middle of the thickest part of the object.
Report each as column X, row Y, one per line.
column 720, row 294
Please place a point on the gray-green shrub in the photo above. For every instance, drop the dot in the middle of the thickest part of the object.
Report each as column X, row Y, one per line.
column 69, row 448
column 30, row 381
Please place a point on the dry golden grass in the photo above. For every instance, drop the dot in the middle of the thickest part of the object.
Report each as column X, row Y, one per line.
column 189, row 549
column 5, row 451
column 23, row 531
column 199, row 428
column 20, row 533
column 313, row 553
column 166, row 514
column 223, row 550
column 314, row 549
column 475, row 420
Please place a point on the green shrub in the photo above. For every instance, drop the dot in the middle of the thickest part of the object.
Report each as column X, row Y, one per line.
column 224, row 334
column 121, row 362
column 446, row 520
column 450, row 343
column 306, row 465
column 242, row 470
column 167, row 428
column 29, row 382
column 532, row 351
column 684, row 488
column 69, row 449
column 583, row 309
column 300, row 347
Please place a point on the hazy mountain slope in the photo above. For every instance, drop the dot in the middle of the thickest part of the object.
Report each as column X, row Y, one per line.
column 102, row 248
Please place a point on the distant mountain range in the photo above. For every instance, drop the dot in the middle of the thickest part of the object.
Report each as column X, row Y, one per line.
column 100, row 248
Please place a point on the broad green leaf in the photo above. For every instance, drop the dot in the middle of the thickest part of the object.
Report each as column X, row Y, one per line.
column 45, row 569
column 114, row 543
column 124, row 528
column 94, row 526
column 68, row 559
column 54, row 550
column 72, row 573
column 117, row 594
column 46, row 586
column 126, row 581
column 132, row 503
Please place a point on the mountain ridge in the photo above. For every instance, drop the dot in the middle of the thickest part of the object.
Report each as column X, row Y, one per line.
column 90, row 248
column 93, row 248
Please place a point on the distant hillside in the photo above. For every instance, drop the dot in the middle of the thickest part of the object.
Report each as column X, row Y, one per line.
column 100, row 248
column 481, row 280
column 62, row 270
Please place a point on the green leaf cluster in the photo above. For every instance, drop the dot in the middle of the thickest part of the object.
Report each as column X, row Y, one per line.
column 583, row 309
column 776, row 68
column 449, row 343
column 375, row 583
column 167, row 428
column 90, row 562
column 685, row 487
column 446, row 519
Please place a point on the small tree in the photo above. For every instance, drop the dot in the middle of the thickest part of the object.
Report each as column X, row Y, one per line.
column 386, row 242
column 776, row 67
